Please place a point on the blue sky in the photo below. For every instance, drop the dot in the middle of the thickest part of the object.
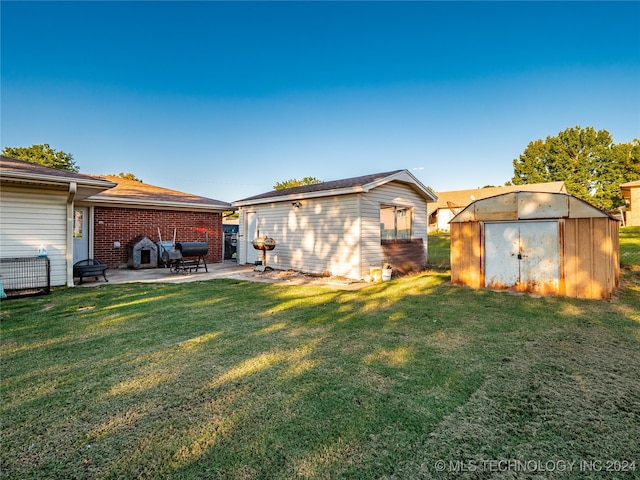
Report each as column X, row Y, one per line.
column 224, row 99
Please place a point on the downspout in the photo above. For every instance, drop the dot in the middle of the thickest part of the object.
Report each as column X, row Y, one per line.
column 360, row 266
column 73, row 189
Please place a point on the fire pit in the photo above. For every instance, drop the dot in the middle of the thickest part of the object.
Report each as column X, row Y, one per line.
column 264, row 244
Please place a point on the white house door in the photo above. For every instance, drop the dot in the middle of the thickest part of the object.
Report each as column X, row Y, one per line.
column 80, row 234
column 250, row 234
column 523, row 256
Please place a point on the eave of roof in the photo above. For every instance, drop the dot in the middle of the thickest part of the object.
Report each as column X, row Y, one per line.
column 339, row 187
column 104, row 189
column 132, row 202
column 20, row 172
column 628, row 185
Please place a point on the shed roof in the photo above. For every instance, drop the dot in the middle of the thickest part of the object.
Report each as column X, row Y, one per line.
column 528, row 206
column 135, row 193
column 462, row 198
column 345, row 186
column 21, row 172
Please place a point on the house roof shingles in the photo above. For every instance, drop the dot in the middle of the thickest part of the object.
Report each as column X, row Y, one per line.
column 105, row 189
column 133, row 191
column 340, row 187
column 21, row 172
column 324, row 186
column 12, row 167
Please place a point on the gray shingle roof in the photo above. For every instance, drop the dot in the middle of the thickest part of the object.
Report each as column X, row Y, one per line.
column 324, row 186
column 107, row 188
column 140, row 192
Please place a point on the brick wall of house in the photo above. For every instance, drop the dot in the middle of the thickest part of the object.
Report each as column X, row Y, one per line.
column 125, row 224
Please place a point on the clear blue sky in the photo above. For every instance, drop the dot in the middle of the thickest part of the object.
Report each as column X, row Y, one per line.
column 223, row 99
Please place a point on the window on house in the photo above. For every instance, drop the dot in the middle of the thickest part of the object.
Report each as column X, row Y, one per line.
column 395, row 222
column 78, row 223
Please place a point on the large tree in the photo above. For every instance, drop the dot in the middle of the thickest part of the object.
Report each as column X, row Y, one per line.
column 294, row 182
column 44, row 155
column 588, row 161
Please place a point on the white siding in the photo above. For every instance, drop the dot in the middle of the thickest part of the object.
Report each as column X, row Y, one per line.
column 33, row 218
column 444, row 217
column 388, row 194
column 322, row 235
column 339, row 234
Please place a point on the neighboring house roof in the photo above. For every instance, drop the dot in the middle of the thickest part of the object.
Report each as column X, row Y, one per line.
column 626, row 188
column 20, row 172
column 340, row 187
column 128, row 193
column 462, row 198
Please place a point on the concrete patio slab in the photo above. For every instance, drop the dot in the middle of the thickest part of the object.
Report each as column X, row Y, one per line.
column 228, row 269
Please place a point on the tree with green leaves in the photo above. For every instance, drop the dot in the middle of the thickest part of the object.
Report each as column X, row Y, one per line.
column 294, row 182
column 43, row 155
column 127, row 176
column 588, row 161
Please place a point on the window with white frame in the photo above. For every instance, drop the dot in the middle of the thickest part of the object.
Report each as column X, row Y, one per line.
column 395, row 222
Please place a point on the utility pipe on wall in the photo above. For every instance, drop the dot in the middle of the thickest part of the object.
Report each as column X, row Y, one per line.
column 73, row 189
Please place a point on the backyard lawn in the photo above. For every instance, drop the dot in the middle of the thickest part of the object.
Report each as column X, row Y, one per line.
column 412, row 378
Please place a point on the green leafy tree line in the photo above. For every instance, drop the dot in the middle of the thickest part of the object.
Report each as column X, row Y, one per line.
column 128, row 176
column 588, row 161
column 43, row 155
column 49, row 157
column 294, row 182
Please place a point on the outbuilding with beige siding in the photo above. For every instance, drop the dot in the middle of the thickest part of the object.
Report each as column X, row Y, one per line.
column 340, row 228
column 537, row 242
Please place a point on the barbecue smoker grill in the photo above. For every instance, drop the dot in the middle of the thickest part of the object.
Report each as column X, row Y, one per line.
column 187, row 257
column 264, row 244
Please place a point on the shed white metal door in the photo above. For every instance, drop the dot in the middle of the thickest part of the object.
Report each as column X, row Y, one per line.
column 524, row 256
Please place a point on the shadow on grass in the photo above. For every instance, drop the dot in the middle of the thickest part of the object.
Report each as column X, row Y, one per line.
column 241, row 380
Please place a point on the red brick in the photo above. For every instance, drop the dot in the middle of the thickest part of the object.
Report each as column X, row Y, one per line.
column 125, row 224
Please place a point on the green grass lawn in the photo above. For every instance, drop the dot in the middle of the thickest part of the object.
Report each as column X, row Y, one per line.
column 229, row 379
column 439, row 248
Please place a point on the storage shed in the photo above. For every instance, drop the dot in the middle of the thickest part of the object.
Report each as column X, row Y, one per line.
column 536, row 242
column 343, row 227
